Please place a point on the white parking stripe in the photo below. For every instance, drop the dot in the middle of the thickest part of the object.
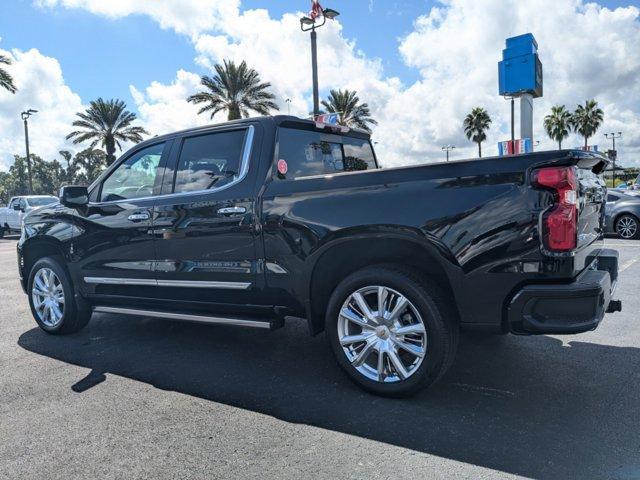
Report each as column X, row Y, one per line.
column 629, row 263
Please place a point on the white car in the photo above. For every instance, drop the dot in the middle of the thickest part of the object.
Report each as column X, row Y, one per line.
column 11, row 215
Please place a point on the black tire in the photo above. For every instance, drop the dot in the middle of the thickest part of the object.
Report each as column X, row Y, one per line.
column 1, row 232
column 629, row 221
column 76, row 311
column 439, row 319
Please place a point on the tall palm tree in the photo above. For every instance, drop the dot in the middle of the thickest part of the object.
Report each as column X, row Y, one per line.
column 557, row 124
column 107, row 122
column 475, row 125
column 351, row 113
column 6, row 80
column 236, row 89
column 587, row 119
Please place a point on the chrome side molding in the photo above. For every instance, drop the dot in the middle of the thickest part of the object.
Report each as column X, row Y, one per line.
column 167, row 283
column 239, row 322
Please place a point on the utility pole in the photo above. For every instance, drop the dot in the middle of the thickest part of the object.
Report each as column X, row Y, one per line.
column 448, row 148
column 25, row 117
column 614, row 153
column 309, row 24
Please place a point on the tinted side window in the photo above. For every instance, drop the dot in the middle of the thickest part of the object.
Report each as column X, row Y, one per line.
column 209, row 161
column 13, row 202
column 310, row 153
column 135, row 177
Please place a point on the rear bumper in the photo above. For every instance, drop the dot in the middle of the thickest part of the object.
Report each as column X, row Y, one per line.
column 573, row 307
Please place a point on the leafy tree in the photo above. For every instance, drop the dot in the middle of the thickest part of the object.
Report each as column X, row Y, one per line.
column 236, row 89
column 587, row 119
column 107, row 122
column 475, row 125
column 351, row 113
column 557, row 124
column 87, row 165
column 6, row 80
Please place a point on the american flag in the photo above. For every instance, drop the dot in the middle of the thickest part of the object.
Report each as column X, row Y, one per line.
column 316, row 10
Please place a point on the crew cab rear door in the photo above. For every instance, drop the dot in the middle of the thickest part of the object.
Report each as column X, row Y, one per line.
column 204, row 222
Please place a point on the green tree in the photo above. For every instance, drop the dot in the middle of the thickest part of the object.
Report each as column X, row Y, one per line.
column 351, row 113
column 587, row 119
column 475, row 125
column 557, row 124
column 236, row 89
column 107, row 122
column 6, row 80
column 87, row 165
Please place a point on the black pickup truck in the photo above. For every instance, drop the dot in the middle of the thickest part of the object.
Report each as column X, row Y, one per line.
column 248, row 222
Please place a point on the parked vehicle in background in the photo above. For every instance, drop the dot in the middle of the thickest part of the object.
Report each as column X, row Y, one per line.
column 622, row 214
column 248, row 222
column 11, row 216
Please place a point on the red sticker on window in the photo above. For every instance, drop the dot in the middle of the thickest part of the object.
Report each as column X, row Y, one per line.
column 282, row 167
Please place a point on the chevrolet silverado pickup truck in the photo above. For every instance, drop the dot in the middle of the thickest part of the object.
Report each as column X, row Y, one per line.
column 18, row 207
column 250, row 222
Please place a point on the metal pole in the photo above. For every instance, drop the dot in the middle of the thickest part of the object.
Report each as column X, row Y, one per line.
column 314, row 68
column 26, row 141
column 513, row 121
column 447, row 154
column 613, row 137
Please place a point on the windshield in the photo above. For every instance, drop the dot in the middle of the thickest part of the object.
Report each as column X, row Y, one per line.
column 41, row 201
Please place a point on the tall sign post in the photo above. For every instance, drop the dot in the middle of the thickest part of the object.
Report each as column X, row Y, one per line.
column 520, row 76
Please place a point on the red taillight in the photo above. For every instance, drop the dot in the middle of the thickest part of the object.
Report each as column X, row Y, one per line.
column 560, row 223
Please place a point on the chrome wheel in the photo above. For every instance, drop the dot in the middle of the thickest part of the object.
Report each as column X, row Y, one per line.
column 48, row 297
column 627, row 227
column 382, row 334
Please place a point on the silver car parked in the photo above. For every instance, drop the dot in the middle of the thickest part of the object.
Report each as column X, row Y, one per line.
column 622, row 214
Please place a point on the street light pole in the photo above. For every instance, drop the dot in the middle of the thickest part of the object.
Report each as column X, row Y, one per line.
column 448, row 148
column 25, row 116
column 613, row 137
column 309, row 24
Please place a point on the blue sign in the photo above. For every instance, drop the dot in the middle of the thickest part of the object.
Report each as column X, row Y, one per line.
column 520, row 70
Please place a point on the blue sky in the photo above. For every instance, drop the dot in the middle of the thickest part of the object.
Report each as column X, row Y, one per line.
column 83, row 43
column 445, row 64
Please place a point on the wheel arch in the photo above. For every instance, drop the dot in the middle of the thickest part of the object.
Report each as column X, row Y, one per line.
column 347, row 255
column 39, row 247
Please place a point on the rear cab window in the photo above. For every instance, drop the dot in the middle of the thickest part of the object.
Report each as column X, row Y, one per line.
column 308, row 153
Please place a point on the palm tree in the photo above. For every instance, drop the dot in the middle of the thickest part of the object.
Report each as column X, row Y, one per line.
column 6, row 80
column 557, row 124
column 107, row 122
column 587, row 119
column 475, row 125
column 236, row 89
column 351, row 113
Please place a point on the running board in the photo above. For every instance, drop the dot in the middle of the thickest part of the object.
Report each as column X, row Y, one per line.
column 270, row 324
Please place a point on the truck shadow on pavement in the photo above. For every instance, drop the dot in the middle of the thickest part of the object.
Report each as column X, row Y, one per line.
column 531, row 406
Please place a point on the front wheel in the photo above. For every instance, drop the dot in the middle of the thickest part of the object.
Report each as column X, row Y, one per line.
column 627, row 227
column 392, row 331
column 54, row 305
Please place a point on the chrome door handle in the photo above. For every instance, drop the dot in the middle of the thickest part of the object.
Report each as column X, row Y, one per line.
column 138, row 217
column 232, row 210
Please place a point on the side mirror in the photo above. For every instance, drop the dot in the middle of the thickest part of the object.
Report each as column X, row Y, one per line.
column 74, row 196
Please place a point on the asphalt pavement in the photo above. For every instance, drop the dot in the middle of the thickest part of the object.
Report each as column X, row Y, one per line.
column 132, row 397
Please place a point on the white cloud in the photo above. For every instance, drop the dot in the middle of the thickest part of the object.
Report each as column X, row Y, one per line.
column 163, row 108
column 587, row 52
column 41, row 86
column 184, row 16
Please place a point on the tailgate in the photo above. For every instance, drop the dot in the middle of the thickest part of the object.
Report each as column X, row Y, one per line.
column 592, row 193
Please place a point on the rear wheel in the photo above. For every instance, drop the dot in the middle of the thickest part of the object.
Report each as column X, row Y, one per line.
column 627, row 227
column 391, row 331
column 54, row 304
